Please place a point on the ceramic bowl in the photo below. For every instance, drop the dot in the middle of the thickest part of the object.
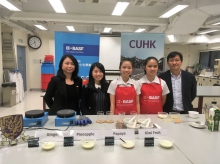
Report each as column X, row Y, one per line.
column 88, row 143
column 140, row 121
column 174, row 115
column 143, row 126
column 193, row 114
column 126, row 121
column 162, row 114
column 130, row 142
column 166, row 142
column 130, row 126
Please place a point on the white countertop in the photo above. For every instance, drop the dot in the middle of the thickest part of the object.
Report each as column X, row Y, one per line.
column 198, row 146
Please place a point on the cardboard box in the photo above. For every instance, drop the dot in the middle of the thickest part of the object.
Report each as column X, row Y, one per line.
column 208, row 106
column 214, row 118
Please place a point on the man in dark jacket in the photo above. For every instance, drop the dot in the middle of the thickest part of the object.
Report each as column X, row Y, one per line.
column 182, row 85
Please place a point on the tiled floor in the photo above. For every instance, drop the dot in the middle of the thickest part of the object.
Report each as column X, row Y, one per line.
column 32, row 100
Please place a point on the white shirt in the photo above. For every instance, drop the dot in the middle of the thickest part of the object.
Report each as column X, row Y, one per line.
column 177, row 92
column 165, row 89
column 97, row 86
column 119, row 81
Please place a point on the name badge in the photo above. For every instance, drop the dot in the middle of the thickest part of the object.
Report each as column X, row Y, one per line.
column 78, row 134
column 52, row 135
column 151, row 133
column 120, row 133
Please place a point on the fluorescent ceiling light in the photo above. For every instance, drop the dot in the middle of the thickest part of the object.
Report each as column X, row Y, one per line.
column 173, row 11
column 216, row 23
column 175, row 8
column 8, row 5
column 107, row 29
column 207, row 31
column 171, row 38
column 140, row 30
column 70, row 28
column 120, row 8
column 41, row 27
column 57, row 5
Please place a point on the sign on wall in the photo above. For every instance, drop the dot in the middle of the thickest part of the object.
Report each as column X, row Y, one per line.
column 84, row 47
column 139, row 46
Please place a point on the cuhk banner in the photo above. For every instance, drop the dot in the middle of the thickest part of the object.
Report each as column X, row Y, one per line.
column 139, row 46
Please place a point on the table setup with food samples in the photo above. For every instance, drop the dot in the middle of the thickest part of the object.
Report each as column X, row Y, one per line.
column 168, row 138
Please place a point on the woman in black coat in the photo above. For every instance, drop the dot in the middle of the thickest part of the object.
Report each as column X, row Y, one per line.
column 64, row 90
column 94, row 95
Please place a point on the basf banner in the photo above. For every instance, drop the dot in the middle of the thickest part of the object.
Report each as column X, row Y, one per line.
column 139, row 46
column 84, row 47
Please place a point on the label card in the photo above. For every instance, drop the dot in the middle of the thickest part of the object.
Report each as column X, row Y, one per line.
column 52, row 135
column 151, row 133
column 78, row 134
column 120, row 133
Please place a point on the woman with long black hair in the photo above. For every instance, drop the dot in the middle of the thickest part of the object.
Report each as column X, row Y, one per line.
column 64, row 89
column 94, row 95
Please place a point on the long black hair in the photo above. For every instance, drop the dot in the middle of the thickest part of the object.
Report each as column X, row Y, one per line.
column 147, row 60
column 60, row 70
column 91, row 79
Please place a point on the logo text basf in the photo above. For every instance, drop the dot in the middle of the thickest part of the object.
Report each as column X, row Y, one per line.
column 154, row 97
column 127, row 101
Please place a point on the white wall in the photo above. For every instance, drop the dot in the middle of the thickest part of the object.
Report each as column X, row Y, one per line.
column 190, row 54
column 20, row 39
column 110, row 52
column 37, row 55
column 1, row 67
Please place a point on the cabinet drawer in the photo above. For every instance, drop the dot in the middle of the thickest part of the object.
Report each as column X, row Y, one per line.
column 217, row 82
column 210, row 83
column 210, row 100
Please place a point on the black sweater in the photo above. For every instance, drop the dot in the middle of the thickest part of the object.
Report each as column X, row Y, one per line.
column 56, row 94
column 88, row 103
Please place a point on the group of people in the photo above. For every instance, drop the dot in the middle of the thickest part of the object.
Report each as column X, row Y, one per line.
column 171, row 91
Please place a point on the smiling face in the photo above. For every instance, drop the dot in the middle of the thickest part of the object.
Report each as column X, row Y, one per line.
column 126, row 69
column 68, row 66
column 151, row 67
column 174, row 63
column 97, row 74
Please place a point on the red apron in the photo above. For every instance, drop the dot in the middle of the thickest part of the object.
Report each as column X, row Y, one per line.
column 125, row 99
column 151, row 98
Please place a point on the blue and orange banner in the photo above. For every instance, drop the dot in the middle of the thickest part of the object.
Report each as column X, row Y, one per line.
column 84, row 47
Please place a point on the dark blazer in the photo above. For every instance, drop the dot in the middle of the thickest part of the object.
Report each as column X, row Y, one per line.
column 188, row 90
column 56, row 94
column 88, row 104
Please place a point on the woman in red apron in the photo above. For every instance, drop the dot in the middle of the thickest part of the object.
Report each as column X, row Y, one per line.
column 124, row 92
column 153, row 89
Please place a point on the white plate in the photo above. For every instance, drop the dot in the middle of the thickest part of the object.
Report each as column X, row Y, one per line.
column 197, row 125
